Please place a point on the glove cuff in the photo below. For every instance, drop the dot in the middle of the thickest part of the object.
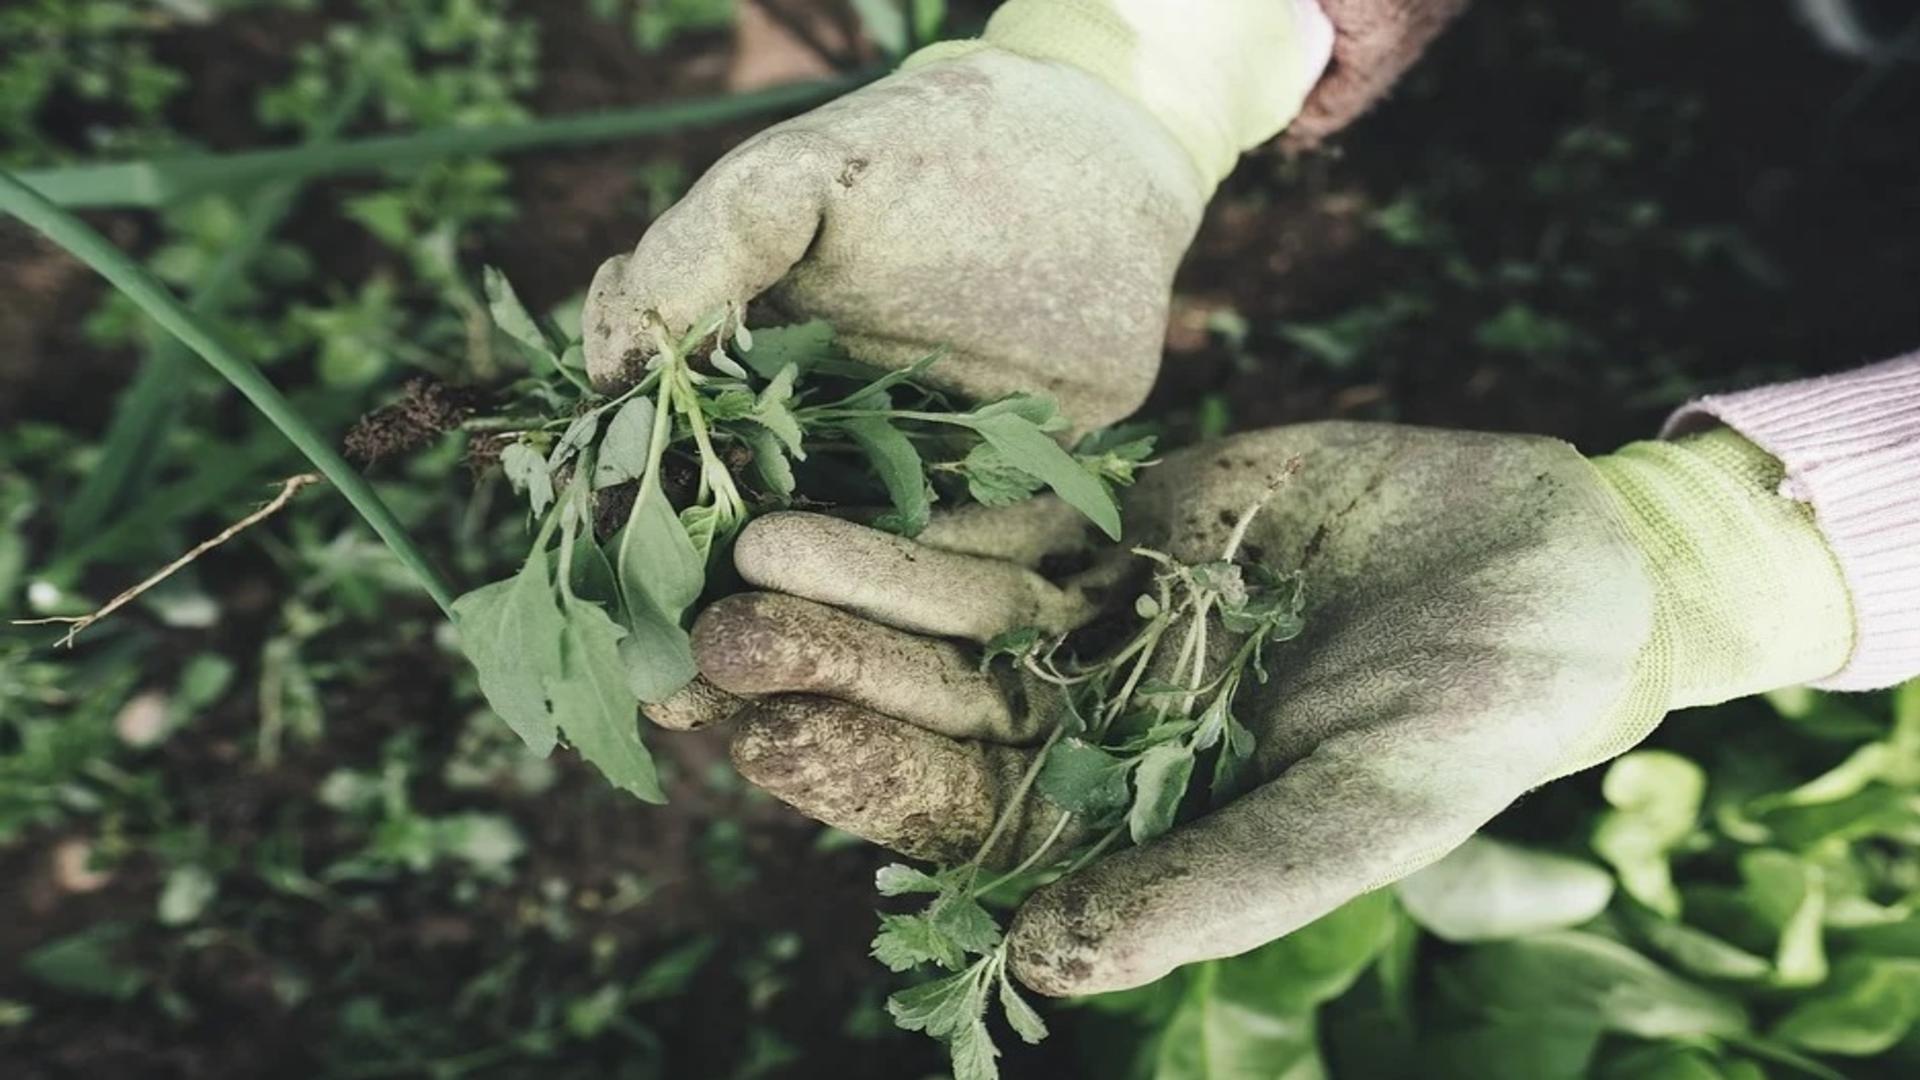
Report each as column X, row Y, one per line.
column 1222, row 76
column 1748, row 596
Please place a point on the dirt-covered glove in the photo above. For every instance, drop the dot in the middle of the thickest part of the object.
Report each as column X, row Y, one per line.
column 1021, row 200
column 1485, row 613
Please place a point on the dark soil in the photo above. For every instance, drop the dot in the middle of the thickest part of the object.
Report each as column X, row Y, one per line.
column 1784, row 190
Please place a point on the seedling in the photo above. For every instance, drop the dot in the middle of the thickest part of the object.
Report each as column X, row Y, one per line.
column 1136, row 724
column 593, row 625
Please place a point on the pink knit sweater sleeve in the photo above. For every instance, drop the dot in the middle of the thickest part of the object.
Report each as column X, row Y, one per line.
column 1851, row 447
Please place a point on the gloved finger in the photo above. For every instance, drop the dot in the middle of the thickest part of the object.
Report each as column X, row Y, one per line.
column 921, row 794
column 697, row 705
column 738, row 231
column 897, row 581
column 1025, row 532
column 756, row 644
column 1364, row 809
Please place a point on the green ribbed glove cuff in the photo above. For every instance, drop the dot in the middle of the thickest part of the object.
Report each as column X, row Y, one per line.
column 1222, row 76
column 1748, row 596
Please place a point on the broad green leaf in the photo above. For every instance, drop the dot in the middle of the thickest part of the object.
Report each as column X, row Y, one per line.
column 1871, row 1004
column 1665, row 1062
column 510, row 631
column 1317, row 962
column 1698, row 952
column 624, row 448
column 1159, row 780
column 1485, row 890
column 1028, row 448
column 656, row 653
column 593, row 704
column 1656, row 799
column 1790, row 894
column 1215, row 1034
column 1569, row 978
column 1510, row 1050
column 703, row 525
column 1084, row 779
column 897, row 464
column 513, row 319
column 188, row 891
column 655, row 558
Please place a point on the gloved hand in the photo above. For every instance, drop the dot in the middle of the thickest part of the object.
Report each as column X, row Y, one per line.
column 1485, row 613
column 1021, row 200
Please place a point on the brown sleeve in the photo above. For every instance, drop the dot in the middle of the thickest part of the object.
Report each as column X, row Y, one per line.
column 1374, row 43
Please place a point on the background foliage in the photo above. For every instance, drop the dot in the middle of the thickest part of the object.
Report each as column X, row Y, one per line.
column 259, row 822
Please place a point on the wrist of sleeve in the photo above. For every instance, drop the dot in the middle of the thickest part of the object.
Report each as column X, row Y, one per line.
column 1849, row 447
column 1222, row 76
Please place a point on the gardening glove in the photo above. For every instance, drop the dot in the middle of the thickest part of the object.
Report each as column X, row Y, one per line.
column 1484, row 613
column 1020, row 200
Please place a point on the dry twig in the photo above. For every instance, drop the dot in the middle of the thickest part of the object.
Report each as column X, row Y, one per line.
column 288, row 489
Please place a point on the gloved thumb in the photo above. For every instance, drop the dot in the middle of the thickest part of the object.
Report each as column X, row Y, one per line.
column 737, row 232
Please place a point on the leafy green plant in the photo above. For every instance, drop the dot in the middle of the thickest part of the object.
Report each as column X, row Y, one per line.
column 591, row 626
column 1135, row 726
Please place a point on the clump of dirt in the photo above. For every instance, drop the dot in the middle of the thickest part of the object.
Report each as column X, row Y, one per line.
column 427, row 409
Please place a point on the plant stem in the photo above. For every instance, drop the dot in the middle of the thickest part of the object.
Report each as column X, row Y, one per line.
column 160, row 305
column 1016, row 798
column 158, row 182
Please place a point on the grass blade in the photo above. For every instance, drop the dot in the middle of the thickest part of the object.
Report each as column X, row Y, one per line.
column 158, row 182
column 160, row 305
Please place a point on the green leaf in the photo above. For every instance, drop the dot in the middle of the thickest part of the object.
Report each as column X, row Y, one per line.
column 1027, row 448
column 188, row 891
column 1083, row 779
column 898, row 465
column 513, row 318
column 943, row 1007
column 1656, row 797
column 772, row 411
column 966, row 924
column 1017, row 644
column 656, row 559
column 769, row 457
column 994, row 481
column 1485, row 890
column 1698, row 952
column 907, row 941
column 704, row 526
column 972, row 1053
column 1571, row 979
column 87, row 963
column 805, row 346
column 624, row 449
column 656, row 653
column 1021, row 1016
column 527, row 471
column 1871, row 1004
column 1159, row 780
column 510, row 631
column 593, row 704
column 897, row 879
column 1223, row 1031
column 1790, row 894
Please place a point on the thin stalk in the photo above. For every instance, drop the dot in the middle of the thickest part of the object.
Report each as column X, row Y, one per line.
column 160, row 305
column 1018, row 796
column 1030, row 861
column 146, row 184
